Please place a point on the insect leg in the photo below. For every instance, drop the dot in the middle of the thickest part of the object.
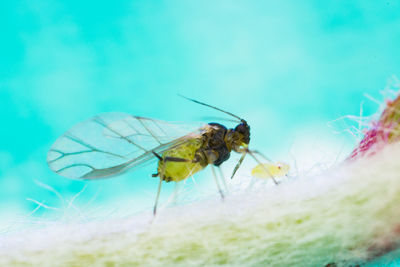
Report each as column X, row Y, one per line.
column 169, row 158
column 159, row 184
column 221, row 174
column 176, row 192
column 174, row 195
column 252, row 155
column 176, row 159
column 157, row 155
column 157, row 196
column 239, row 163
column 216, row 181
column 259, row 153
column 160, row 159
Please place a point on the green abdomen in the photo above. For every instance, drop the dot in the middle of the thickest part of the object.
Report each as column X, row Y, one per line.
column 177, row 171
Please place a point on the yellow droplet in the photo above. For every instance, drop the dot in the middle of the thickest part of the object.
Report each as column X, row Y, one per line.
column 265, row 170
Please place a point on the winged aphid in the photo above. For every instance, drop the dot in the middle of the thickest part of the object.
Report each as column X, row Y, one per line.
column 112, row 143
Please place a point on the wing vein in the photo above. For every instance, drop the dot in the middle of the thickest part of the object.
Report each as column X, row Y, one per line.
column 75, row 165
column 148, row 130
column 94, row 149
column 99, row 121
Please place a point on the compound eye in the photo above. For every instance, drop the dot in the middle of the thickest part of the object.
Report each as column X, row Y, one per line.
column 240, row 128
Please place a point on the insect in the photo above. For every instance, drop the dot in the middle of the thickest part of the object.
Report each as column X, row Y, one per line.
column 275, row 169
column 112, row 143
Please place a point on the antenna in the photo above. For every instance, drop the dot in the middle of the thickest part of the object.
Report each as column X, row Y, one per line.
column 207, row 105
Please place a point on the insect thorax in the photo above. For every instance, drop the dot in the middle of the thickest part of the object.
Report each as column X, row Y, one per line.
column 215, row 143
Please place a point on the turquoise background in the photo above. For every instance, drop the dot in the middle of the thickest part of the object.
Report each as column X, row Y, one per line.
column 282, row 65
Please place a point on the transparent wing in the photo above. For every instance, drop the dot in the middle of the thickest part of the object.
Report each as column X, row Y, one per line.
column 111, row 143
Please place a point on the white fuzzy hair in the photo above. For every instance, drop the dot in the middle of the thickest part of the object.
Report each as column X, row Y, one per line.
column 348, row 215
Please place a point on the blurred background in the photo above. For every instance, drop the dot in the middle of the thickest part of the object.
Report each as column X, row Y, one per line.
column 289, row 68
